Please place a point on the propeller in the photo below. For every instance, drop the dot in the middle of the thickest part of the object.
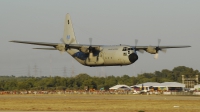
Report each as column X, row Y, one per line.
column 159, row 49
column 136, row 41
column 90, row 39
column 62, row 49
column 62, row 40
column 141, row 51
column 90, row 49
column 66, row 46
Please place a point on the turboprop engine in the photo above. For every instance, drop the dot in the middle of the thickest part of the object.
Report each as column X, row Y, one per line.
column 61, row 47
column 151, row 50
column 155, row 50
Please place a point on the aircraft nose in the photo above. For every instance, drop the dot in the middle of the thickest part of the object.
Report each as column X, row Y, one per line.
column 133, row 57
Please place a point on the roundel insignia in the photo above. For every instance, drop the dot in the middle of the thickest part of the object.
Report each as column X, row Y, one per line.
column 68, row 37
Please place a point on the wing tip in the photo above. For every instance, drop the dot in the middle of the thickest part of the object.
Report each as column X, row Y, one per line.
column 13, row 41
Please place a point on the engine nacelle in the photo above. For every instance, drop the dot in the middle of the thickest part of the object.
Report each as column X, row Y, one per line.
column 60, row 47
column 84, row 50
column 151, row 50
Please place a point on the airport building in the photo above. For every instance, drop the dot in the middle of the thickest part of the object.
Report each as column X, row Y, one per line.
column 155, row 86
column 190, row 82
column 152, row 86
column 120, row 87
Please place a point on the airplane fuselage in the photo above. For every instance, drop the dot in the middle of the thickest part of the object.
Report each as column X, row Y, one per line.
column 109, row 56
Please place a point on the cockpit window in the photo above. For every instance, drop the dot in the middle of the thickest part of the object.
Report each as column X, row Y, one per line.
column 124, row 49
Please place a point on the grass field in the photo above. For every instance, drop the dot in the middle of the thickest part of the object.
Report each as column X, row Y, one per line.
column 121, row 103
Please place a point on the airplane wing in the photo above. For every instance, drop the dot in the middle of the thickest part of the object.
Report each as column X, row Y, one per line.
column 46, row 48
column 36, row 43
column 84, row 47
column 155, row 49
column 71, row 46
column 78, row 46
column 162, row 47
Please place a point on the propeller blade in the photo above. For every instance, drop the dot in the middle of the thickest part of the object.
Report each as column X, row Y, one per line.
column 90, row 39
column 90, row 49
column 156, row 56
column 135, row 48
column 164, row 50
column 141, row 51
column 61, row 52
column 62, row 40
column 159, row 40
column 136, row 41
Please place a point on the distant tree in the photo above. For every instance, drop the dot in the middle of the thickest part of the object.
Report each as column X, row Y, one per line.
column 90, row 83
column 9, row 83
column 110, row 81
column 25, row 85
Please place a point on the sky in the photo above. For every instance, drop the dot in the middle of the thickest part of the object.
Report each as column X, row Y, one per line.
column 108, row 22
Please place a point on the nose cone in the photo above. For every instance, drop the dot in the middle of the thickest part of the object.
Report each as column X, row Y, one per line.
column 133, row 57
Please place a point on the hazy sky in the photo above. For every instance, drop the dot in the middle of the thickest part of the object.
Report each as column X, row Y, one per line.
column 108, row 22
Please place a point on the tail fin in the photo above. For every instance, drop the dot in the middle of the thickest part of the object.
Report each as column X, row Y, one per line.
column 69, row 37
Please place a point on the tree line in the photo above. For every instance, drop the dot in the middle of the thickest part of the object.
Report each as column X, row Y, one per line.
column 12, row 83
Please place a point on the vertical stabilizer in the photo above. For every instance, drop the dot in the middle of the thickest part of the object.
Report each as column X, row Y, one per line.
column 69, row 37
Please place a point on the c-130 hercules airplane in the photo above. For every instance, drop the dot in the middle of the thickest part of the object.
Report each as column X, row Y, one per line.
column 98, row 55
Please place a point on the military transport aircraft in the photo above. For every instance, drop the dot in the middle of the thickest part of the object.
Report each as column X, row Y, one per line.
column 98, row 55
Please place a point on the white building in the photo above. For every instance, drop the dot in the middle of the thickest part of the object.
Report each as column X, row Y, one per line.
column 166, row 86
column 120, row 87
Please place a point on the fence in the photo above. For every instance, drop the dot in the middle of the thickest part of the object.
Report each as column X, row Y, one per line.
column 98, row 92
